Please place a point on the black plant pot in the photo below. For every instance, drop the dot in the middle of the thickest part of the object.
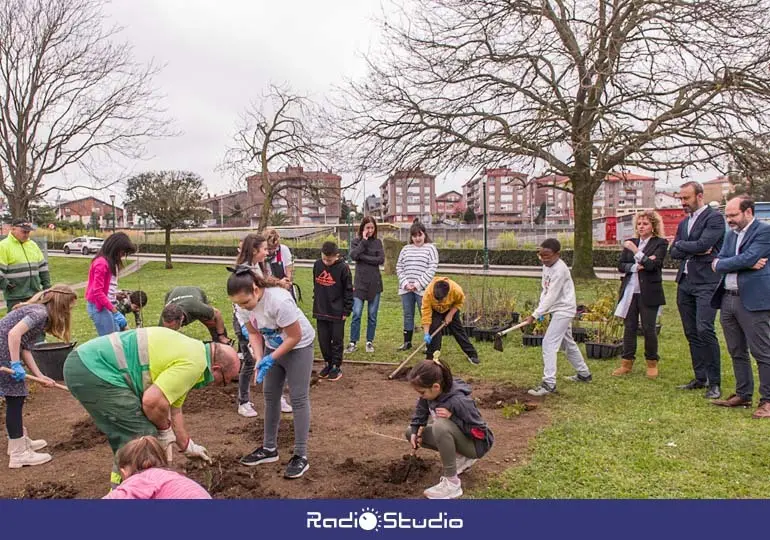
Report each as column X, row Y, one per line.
column 469, row 330
column 487, row 334
column 603, row 351
column 515, row 316
column 580, row 334
column 532, row 341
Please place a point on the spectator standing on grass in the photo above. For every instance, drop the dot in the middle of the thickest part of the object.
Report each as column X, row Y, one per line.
column 280, row 263
column 23, row 268
column 253, row 253
column 367, row 251
column 144, row 468
column 442, row 303
column 332, row 304
column 50, row 312
column 135, row 383
column 282, row 337
column 699, row 237
column 416, row 266
column 102, row 287
column 641, row 291
column 558, row 299
column 446, row 419
column 742, row 295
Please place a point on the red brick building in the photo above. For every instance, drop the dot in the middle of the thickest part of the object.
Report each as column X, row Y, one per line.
column 317, row 204
column 228, row 209
column 82, row 209
column 407, row 195
column 508, row 200
column 450, row 204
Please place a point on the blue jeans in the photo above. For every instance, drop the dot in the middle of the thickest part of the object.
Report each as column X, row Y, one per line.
column 371, row 318
column 103, row 320
column 408, row 301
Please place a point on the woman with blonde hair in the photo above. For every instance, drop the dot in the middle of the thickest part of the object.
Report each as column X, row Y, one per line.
column 641, row 290
column 49, row 311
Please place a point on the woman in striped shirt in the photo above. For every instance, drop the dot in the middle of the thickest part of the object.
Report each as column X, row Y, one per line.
column 417, row 264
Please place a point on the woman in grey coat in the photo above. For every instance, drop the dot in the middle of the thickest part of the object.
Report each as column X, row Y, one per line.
column 367, row 251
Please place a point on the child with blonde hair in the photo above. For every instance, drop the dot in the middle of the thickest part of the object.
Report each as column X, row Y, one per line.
column 143, row 465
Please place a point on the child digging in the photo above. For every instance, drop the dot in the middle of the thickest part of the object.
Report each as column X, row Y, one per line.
column 143, row 465
column 442, row 302
column 332, row 304
column 451, row 424
column 558, row 299
column 130, row 302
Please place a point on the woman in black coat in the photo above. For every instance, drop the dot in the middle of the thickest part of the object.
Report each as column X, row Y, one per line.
column 641, row 290
column 367, row 251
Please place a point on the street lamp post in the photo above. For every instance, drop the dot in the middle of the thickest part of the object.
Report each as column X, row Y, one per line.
column 112, row 198
column 486, row 247
column 350, row 216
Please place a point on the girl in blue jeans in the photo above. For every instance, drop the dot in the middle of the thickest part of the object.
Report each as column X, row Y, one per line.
column 102, row 287
column 415, row 269
column 367, row 251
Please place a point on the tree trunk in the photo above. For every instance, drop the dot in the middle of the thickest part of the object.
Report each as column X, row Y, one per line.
column 169, row 266
column 264, row 215
column 583, row 262
column 19, row 207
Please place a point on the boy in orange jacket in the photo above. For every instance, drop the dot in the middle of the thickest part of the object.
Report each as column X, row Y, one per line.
column 442, row 302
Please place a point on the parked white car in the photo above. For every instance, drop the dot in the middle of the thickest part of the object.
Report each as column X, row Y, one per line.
column 84, row 245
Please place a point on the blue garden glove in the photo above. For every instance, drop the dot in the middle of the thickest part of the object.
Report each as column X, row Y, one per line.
column 18, row 371
column 264, row 366
column 244, row 332
column 426, row 338
column 120, row 320
column 541, row 318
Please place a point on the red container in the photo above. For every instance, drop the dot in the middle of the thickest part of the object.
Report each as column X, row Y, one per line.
column 671, row 218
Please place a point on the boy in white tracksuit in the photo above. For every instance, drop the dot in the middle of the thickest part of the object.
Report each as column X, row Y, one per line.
column 558, row 299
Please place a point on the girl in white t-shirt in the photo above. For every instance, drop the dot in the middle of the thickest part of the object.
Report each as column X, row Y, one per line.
column 281, row 335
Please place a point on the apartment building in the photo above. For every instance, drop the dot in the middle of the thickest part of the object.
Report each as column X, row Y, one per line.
column 624, row 193
column 508, row 199
column 717, row 190
column 450, row 204
column 407, row 195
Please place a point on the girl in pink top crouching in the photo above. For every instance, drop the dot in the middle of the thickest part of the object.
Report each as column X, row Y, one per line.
column 142, row 463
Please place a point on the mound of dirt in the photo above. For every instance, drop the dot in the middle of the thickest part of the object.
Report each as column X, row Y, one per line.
column 402, row 415
column 49, row 490
column 372, row 479
column 85, row 435
column 210, row 398
column 501, row 396
column 253, row 432
column 225, row 478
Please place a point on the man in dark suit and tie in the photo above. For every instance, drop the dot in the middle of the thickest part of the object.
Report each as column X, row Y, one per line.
column 698, row 239
column 743, row 295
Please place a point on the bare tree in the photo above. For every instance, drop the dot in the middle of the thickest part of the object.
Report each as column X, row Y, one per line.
column 70, row 93
column 274, row 132
column 580, row 88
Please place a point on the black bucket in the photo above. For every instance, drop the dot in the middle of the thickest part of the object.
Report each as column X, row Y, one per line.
column 50, row 358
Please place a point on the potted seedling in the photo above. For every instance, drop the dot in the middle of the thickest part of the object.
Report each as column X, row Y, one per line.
column 605, row 340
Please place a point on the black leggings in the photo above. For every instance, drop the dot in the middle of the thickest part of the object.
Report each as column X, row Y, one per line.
column 13, row 422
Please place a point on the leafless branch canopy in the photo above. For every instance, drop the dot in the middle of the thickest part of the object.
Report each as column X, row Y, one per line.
column 70, row 92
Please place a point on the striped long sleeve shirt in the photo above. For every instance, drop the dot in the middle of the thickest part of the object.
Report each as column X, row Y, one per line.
column 416, row 265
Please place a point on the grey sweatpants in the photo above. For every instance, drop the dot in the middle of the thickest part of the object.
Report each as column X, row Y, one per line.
column 559, row 336
column 443, row 435
column 294, row 367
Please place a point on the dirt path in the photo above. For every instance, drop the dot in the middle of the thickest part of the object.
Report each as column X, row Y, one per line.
column 346, row 460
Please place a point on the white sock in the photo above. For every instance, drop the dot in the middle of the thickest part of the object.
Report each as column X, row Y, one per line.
column 270, row 449
column 454, row 479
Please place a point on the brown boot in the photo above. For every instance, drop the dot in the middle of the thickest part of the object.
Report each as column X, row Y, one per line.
column 652, row 369
column 624, row 369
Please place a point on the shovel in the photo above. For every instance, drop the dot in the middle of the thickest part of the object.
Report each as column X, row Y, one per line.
column 402, row 364
column 499, row 336
column 412, row 454
column 35, row 379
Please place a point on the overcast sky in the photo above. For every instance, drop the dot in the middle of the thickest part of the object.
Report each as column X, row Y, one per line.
column 221, row 55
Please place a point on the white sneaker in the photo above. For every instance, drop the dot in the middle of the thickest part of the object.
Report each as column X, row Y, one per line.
column 444, row 490
column 247, row 410
column 351, row 348
column 464, row 463
column 285, row 405
column 369, row 346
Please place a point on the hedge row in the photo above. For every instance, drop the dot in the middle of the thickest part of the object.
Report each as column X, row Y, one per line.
column 506, row 257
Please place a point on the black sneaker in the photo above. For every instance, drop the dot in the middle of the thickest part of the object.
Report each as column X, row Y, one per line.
column 405, row 346
column 260, row 456
column 474, row 360
column 297, row 467
column 335, row 374
column 325, row 371
column 577, row 377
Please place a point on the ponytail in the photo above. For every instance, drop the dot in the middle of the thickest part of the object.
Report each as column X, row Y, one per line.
column 429, row 372
column 243, row 280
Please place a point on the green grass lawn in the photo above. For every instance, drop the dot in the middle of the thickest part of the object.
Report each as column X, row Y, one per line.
column 614, row 438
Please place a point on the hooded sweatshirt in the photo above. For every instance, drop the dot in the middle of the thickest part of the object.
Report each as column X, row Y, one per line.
column 332, row 291
column 465, row 415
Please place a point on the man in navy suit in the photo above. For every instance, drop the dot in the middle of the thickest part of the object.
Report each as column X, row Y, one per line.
column 743, row 295
column 698, row 239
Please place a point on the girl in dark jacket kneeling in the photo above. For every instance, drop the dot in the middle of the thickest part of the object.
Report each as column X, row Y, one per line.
column 446, row 419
